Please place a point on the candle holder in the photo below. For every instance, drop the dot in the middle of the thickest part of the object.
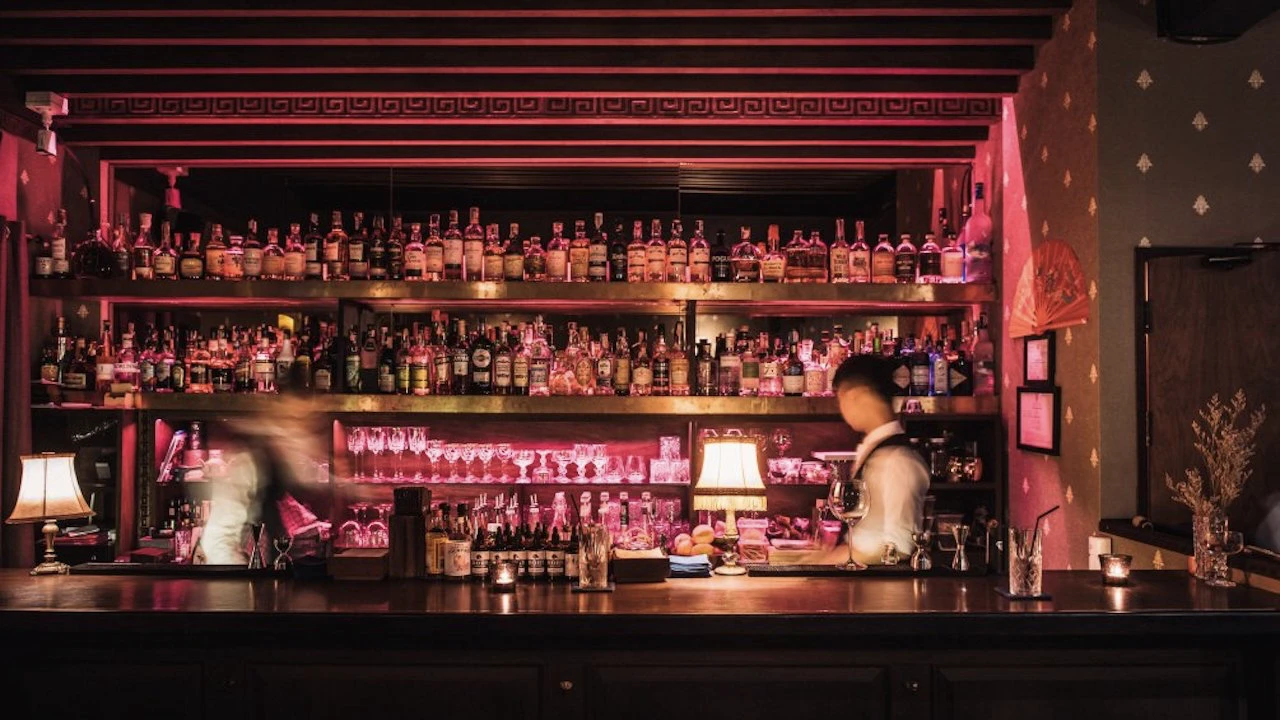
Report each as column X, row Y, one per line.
column 1115, row 568
column 502, row 576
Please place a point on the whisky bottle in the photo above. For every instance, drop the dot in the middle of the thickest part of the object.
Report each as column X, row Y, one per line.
column 42, row 258
column 729, row 364
column 796, row 257
column 358, row 249
column 504, row 364
column 598, row 252
column 473, row 248
column 622, row 365
column 335, row 249
column 655, row 254
column 679, row 358
column 254, row 255
column 452, row 245
column 535, row 261
column 121, row 251
column 460, row 352
column 641, row 368
column 930, row 259
column 556, row 558
column 436, row 540
column 492, row 261
column 751, row 366
column 415, row 255
column 513, row 256
column 434, row 252
column 273, row 266
column 60, row 258
column 819, row 257
column 660, row 365
column 557, row 255
column 904, row 260
column 92, row 258
column 191, row 264
column 295, row 254
column 773, row 267
column 143, row 251
column 793, row 373
column 315, row 267
column 952, row 261
column 377, row 250
column 618, row 262
column 165, row 257
column 482, row 361
column 860, row 255
column 604, row 362
column 838, row 268
column 395, row 249
column 771, row 360
column 637, row 254
column 441, row 359
column 721, row 262
column 420, row 364
column 233, row 259
column 677, row 254
column 579, row 253
column 351, row 363
column 699, row 255
column 704, row 380
column 745, row 258
column 481, row 555
column 882, row 262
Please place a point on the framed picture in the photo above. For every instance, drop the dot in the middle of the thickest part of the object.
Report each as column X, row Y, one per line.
column 1038, row 360
column 1039, row 426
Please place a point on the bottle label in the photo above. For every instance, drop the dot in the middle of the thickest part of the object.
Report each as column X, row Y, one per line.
column 44, row 266
column 164, row 265
column 859, row 266
column 75, row 381
column 555, row 563
column 622, row 372
column 272, row 265
column 480, row 563
column 192, row 268
column 940, row 378
column 324, row 380
column 355, row 252
column 700, row 264
column 473, row 259
column 520, row 372
column 904, row 266
column 920, row 378
column 677, row 262
column 656, row 262
column 637, row 260
column 332, row 252
column 604, row 372
column 452, row 253
column 481, row 359
column 444, row 368
column 213, row 261
column 386, row 379
column 839, row 263
column 295, row 264
column 770, row 370
column 584, row 372
column 557, row 261
column 793, row 384
column 58, row 248
column 882, row 265
column 314, row 268
column 815, row 381
column 461, row 364
column 642, row 376
column 953, row 266
column 492, row 267
column 513, row 267
column 253, row 262
column 537, row 563
column 430, row 259
column 435, row 554
column 106, row 372
column 539, row 375
column 598, row 262
column 419, row 379
column 773, row 268
column 579, row 263
column 233, row 266
column 680, row 373
column 502, row 371
column 457, row 558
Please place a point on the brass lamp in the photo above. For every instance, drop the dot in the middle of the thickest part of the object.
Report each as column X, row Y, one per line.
column 730, row 481
column 49, row 493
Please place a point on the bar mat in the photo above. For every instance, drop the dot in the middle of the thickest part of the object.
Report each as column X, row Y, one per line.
column 607, row 589
column 874, row 571
column 1004, row 593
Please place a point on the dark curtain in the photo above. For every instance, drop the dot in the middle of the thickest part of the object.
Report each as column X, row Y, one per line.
column 16, row 544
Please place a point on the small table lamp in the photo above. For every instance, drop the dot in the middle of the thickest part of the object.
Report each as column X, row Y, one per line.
column 730, row 481
column 49, row 493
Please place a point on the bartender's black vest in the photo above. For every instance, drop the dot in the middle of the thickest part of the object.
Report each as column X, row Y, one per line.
column 895, row 440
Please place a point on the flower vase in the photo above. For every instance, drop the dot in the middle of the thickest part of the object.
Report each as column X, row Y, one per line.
column 1200, row 524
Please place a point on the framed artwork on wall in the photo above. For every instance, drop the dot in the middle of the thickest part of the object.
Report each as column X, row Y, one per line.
column 1038, row 360
column 1039, row 420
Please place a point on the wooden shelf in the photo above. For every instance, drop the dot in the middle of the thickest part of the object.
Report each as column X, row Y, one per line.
column 985, row 485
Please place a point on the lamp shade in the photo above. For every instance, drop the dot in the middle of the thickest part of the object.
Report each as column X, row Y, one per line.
column 49, row 490
column 730, row 477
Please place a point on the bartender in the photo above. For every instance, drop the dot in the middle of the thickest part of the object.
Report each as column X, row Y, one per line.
column 896, row 477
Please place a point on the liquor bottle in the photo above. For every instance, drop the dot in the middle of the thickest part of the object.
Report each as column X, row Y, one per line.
column 482, row 361
column 370, row 350
column 960, row 376
column 272, row 259
column 60, row 258
column 555, row 557
column 51, row 370
column 729, row 363
column 503, row 364
column 537, row 554
column 773, row 266
column 819, row 258
column 199, row 374
column 572, row 564
column 164, row 259
column 793, row 373
column 584, row 363
column 535, row 261
column 191, row 264
column 771, row 361
column 920, row 366
column 837, row 353
column 491, row 260
column 681, row 381
column 473, row 248
column 984, row 359
column 322, row 374
column 351, row 362
column 143, row 251
column 295, row 254
column 930, row 260
column 395, row 249
column 519, row 551
column 315, row 268
column 171, row 374
column 604, row 363
column 637, row 254
column 121, row 251
column 75, row 369
column 481, row 555
column 655, row 254
column 214, row 251
column 622, row 365
column 415, row 256
column 660, row 365
column 105, row 361
column 92, row 258
column 904, row 260
column 750, row 384
column 940, row 373
column 883, row 269
column 815, row 365
column 976, row 240
column 677, row 254
column 441, row 359
column 437, row 537
column 721, row 260
column 284, row 363
column 147, row 357
column 254, row 254
column 452, row 249
column 513, row 256
column 617, row 255
column 704, row 372
column 336, row 250
column 859, row 255
column 233, row 259
column 264, row 368
column 641, row 368
column 838, row 266
column 358, row 249
column 520, row 358
column 598, row 252
column 127, row 369
column 41, row 258
column 699, row 255
column 377, row 249
column 796, row 259
column 420, row 364
column 952, row 261
column 579, row 253
column 460, row 353
column 746, row 258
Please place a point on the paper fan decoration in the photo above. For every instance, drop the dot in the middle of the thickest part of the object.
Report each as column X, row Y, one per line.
column 1051, row 292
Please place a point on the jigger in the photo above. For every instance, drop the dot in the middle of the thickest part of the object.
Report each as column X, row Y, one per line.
column 960, row 563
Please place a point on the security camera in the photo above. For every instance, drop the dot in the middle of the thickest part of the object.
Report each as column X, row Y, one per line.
column 48, row 105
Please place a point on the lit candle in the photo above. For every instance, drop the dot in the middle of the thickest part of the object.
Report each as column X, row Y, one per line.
column 504, row 576
column 1115, row 568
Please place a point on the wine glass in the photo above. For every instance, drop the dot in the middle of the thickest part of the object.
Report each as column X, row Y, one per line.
column 397, row 441
column 503, row 452
column 562, row 457
column 351, row 532
column 485, row 452
column 468, row 454
column 417, row 445
column 848, row 501
column 452, row 451
column 542, row 474
column 435, row 451
column 599, row 457
column 581, row 456
column 524, row 458
column 1222, row 545
column 377, row 443
column 355, row 445
column 635, row 469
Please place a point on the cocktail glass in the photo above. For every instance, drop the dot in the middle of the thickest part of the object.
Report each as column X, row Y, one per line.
column 397, row 441
column 435, row 451
column 485, row 451
column 524, row 458
column 503, row 452
column 452, row 451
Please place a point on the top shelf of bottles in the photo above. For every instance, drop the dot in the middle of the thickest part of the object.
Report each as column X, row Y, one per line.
column 405, row 296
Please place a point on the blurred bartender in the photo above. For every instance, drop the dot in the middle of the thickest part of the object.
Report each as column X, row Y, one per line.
column 896, row 476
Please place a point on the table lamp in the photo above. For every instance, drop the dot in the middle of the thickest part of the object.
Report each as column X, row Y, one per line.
column 49, row 493
column 730, row 481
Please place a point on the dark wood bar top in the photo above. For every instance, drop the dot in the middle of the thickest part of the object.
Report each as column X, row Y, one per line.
column 1169, row 602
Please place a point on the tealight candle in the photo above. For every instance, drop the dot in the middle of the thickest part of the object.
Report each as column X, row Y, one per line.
column 1115, row 568
column 502, row 575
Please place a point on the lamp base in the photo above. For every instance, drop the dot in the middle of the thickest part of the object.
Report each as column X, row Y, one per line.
column 731, row 570
column 51, row 568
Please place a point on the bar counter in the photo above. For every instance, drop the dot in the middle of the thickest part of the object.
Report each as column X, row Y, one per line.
column 878, row 647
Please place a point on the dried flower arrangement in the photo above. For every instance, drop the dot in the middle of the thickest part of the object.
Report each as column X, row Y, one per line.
column 1227, row 449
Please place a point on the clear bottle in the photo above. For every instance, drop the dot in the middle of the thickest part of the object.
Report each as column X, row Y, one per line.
column 254, row 255
column 977, row 240
column 699, row 255
column 191, row 265
column 143, row 260
column 598, row 252
column 770, row 368
column 540, row 358
column 416, row 263
column 312, row 243
column 473, row 244
column 535, row 261
column 358, row 249
column 882, row 261
column 295, row 254
column 273, row 265
column 860, row 255
column 655, row 254
column 750, row 384
column 681, row 381
column 984, row 359
column 637, row 254
column 491, row 259
column 452, row 244
column 677, row 254
column 838, row 257
column 773, row 267
column 730, row 367
column 819, row 258
column 336, row 250
column 905, row 260
column 579, row 253
column 641, row 368
column 127, row 368
column 796, row 255
column 513, row 256
column 165, row 257
column 557, row 255
column 233, row 259
column 940, row 374
column 952, row 261
column 284, row 361
column 745, row 258
column 815, row 366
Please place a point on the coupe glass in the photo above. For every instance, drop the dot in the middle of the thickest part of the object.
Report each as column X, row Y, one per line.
column 417, row 446
column 581, row 456
column 435, row 451
column 377, row 443
column 452, row 451
column 562, row 458
column 542, row 474
column 397, row 441
column 468, row 454
column 1223, row 543
column 503, row 452
column 484, row 451
column 848, row 501
column 524, row 458
column 355, row 445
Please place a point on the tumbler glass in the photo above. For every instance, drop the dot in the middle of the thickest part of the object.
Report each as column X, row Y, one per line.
column 1025, row 562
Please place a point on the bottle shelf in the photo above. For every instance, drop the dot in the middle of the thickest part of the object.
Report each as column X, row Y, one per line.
column 932, row 408
column 581, row 297
column 985, row 485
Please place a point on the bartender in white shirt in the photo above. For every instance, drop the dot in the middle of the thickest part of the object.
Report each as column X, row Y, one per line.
column 895, row 473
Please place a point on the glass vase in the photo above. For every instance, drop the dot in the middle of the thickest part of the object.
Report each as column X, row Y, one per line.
column 1200, row 524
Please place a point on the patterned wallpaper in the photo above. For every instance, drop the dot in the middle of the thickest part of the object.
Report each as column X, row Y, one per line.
column 1048, row 164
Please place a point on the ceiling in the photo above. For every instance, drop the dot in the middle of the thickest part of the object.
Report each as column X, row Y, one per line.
column 755, row 83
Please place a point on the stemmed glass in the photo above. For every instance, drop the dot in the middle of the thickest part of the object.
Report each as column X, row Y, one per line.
column 485, row 452
column 452, row 451
column 376, row 531
column 417, row 445
column 614, row 470
column 542, row 474
column 599, row 456
column 782, row 439
column 848, row 501
column 356, row 437
column 562, row 458
column 581, row 456
column 503, row 452
column 397, row 440
column 352, row 532
column 468, row 456
column 635, row 469
column 435, row 451
column 377, row 443
column 524, row 458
